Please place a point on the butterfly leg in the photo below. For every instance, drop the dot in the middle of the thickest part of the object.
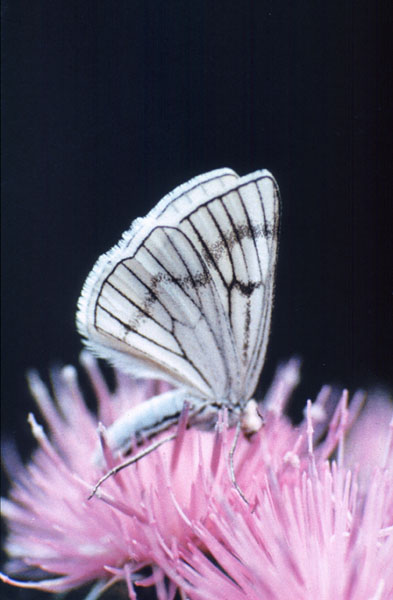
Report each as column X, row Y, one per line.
column 231, row 465
column 133, row 459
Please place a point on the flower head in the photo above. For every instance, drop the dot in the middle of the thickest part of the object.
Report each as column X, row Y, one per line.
column 312, row 526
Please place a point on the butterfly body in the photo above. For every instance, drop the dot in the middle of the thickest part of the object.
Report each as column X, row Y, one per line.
column 186, row 296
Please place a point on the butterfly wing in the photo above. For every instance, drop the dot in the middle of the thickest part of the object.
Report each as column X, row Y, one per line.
column 186, row 295
column 237, row 235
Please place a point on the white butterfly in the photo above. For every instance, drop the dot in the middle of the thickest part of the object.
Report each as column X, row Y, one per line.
column 186, row 296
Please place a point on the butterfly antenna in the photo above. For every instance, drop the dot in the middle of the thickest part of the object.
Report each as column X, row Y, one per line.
column 130, row 461
column 231, row 465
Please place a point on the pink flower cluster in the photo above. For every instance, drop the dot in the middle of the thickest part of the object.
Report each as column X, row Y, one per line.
column 318, row 522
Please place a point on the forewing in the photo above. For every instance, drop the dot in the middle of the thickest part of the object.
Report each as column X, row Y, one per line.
column 237, row 234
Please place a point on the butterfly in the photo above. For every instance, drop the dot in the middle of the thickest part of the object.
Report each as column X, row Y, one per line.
column 186, row 296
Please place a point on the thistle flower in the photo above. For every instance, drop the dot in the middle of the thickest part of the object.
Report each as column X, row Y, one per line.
column 318, row 522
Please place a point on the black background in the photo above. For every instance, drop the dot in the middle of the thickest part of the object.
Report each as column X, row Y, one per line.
column 109, row 105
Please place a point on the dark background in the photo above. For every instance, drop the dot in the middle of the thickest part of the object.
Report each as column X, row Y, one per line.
column 109, row 105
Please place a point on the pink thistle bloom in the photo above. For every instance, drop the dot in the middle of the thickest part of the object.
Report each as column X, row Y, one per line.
column 318, row 522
